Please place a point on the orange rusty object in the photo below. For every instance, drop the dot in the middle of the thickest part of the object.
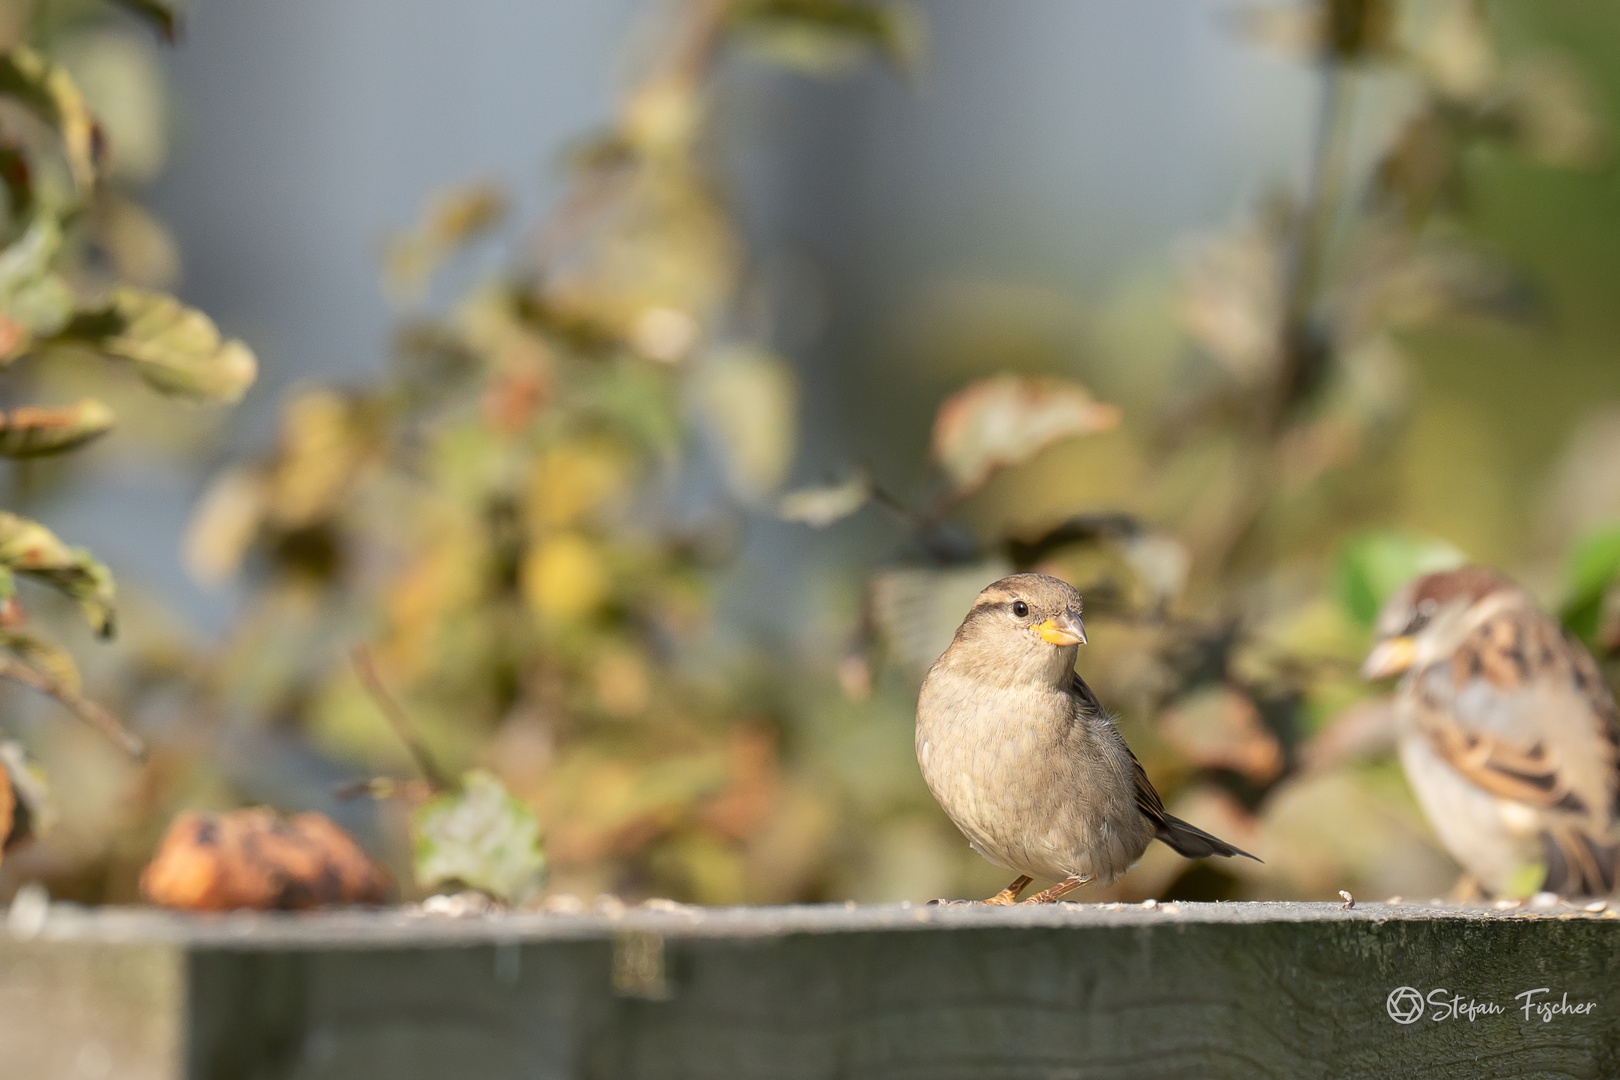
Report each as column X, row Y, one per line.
column 254, row 858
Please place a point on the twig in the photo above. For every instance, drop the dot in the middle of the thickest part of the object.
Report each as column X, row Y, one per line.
column 1307, row 249
column 894, row 504
column 75, row 702
column 395, row 715
column 1302, row 352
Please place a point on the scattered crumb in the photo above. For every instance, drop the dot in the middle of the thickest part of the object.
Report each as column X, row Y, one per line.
column 1393, row 900
column 1150, row 903
column 1544, row 900
column 1596, row 905
column 1508, row 905
column 661, row 903
column 459, row 905
column 1115, row 906
column 563, row 904
column 1349, row 901
column 850, row 905
column 609, row 905
column 29, row 910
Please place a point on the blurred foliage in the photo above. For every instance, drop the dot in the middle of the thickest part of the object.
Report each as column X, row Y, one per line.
column 77, row 266
column 1229, row 527
column 521, row 519
column 526, row 519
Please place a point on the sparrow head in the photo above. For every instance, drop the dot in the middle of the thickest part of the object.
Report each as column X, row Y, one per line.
column 1430, row 617
column 1023, row 625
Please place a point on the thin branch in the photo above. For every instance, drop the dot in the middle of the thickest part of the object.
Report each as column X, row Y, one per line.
column 395, row 715
column 1307, row 249
column 75, row 702
column 1303, row 271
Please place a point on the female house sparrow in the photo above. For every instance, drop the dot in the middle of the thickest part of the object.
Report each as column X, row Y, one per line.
column 1507, row 732
column 1021, row 755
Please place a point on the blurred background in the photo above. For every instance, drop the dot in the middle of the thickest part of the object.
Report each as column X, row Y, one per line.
column 554, row 304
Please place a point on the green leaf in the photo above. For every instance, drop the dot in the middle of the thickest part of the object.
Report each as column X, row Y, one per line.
column 29, row 548
column 1370, row 567
column 750, row 401
column 18, row 180
column 1593, row 567
column 160, row 16
column 821, row 506
column 638, row 399
column 45, row 655
column 176, row 349
column 33, row 301
column 46, row 90
column 453, row 218
column 31, row 431
column 480, row 837
column 1526, row 880
column 828, row 37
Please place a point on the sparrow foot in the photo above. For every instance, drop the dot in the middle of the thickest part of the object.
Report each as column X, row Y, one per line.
column 1058, row 891
column 1009, row 895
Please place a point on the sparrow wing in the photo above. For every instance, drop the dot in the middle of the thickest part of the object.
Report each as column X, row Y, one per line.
column 1185, row 839
column 1522, row 712
column 1080, row 690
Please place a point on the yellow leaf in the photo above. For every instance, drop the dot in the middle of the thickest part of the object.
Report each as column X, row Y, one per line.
column 32, row 431
column 223, row 525
column 565, row 578
column 323, row 446
column 750, row 399
column 575, row 482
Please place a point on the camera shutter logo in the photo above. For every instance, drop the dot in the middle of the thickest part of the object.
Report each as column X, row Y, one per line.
column 1405, row 1005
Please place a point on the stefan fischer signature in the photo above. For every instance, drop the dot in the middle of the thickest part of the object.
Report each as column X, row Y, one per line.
column 1406, row 1005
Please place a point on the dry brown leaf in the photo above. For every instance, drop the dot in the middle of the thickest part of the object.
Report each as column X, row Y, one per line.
column 8, row 803
column 253, row 858
column 1006, row 420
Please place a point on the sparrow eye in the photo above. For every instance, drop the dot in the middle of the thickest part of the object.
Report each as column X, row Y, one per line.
column 1020, row 608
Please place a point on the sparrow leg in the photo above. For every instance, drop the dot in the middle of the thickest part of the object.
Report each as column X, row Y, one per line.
column 1058, row 891
column 1009, row 895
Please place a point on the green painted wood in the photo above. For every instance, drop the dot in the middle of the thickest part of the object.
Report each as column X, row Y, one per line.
column 1071, row 991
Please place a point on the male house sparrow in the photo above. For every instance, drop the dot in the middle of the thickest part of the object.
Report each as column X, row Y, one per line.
column 1506, row 730
column 1021, row 755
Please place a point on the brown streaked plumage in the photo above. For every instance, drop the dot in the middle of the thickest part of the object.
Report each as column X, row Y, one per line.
column 1507, row 732
column 1022, row 757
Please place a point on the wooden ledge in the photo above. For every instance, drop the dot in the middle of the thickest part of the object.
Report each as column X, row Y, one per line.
column 930, row 993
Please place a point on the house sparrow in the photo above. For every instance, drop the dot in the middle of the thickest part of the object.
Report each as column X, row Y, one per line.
column 1021, row 755
column 1507, row 732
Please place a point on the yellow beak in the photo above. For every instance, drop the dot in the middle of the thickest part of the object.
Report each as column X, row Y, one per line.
column 1064, row 629
column 1389, row 658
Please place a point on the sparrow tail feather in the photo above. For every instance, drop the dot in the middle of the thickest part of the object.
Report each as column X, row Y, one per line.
column 1577, row 865
column 1195, row 843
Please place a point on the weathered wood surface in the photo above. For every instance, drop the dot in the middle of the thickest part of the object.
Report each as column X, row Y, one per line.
column 1070, row 991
